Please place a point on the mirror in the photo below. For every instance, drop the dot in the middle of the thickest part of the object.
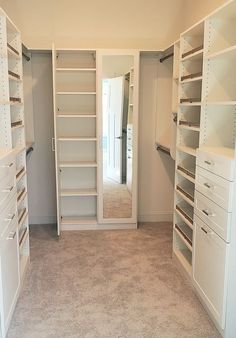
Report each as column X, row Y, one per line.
column 117, row 135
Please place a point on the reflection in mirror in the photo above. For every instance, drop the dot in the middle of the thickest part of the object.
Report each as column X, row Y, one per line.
column 117, row 106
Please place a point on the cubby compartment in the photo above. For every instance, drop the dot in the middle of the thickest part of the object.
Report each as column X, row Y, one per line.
column 184, row 210
column 78, row 152
column 24, row 252
column 189, row 117
column 192, row 40
column 76, row 104
column 184, row 232
column 82, row 127
column 220, row 85
column 185, row 188
column 79, row 81
column 76, row 59
column 219, row 128
column 188, row 138
column 221, row 28
column 78, row 178
column 191, row 70
column 183, row 252
column 75, row 208
column 186, row 166
column 191, row 92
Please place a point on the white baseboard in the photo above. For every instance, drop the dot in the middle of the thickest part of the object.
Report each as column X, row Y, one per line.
column 42, row 220
column 157, row 217
column 105, row 226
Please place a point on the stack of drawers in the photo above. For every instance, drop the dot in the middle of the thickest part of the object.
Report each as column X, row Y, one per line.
column 9, row 252
column 213, row 221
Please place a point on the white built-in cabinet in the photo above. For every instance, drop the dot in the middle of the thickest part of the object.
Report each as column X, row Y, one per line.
column 14, row 227
column 204, row 241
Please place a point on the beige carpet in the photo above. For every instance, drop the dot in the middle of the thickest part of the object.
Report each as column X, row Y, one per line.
column 107, row 284
column 117, row 200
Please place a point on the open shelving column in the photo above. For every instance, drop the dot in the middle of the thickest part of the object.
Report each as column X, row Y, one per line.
column 12, row 136
column 75, row 137
column 187, row 141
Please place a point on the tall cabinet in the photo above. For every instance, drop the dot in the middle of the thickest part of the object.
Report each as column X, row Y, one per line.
column 14, row 228
column 75, row 122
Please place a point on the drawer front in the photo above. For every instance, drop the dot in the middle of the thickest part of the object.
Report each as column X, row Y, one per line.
column 8, row 214
column 10, row 278
column 7, row 169
column 214, row 216
column 7, row 190
column 209, row 269
column 218, row 165
column 215, row 187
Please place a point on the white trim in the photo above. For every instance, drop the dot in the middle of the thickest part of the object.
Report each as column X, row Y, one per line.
column 156, row 217
column 108, row 226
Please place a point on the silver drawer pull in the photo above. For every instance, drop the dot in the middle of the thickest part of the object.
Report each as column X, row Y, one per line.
column 207, row 213
column 8, row 165
column 12, row 236
column 208, row 185
column 8, row 190
column 208, row 162
column 204, row 230
column 10, row 218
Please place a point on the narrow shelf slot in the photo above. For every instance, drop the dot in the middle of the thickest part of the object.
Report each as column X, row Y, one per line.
column 22, row 215
column 79, row 164
column 188, row 172
column 187, row 192
column 14, row 75
column 186, row 233
column 15, row 99
column 187, row 150
column 186, row 212
column 76, row 93
column 13, row 49
column 23, row 237
column 190, row 100
column 77, row 220
column 76, row 115
column 190, row 53
column 192, row 76
column 78, row 192
column 21, row 195
column 185, row 257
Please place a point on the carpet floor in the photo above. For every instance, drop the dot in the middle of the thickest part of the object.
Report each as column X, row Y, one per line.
column 107, row 284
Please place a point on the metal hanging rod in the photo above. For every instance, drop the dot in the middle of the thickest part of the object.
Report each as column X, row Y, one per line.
column 26, row 56
column 164, row 58
column 24, row 52
column 163, row 149
column 29, row 150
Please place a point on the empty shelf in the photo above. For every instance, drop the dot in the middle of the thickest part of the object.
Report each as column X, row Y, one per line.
column 23, row 237
column 188, row 172
column 222, row 53
column 190, row 100
column 76, row 69
column 192, row 52
column 192, row 77
column 78, row 192
column 77, row 93
column 13, row 75
column 12, row 49
column 75, row 138
column 76, row 115
column 20, row 174
column 21, row 195
column 185, row 258
column 187, row 150
column 194, row 126
column 184, row 237
column 21, row 217
column 186, row 192
column 15, row 99
column 74, row 220
column 186, row 212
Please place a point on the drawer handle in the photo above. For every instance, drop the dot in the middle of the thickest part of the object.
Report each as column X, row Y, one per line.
column 8, row 190
column 207, row 213
column 10, row 218
column 12, row 236
column 208, row 185
column 204, row 230
column 8, row 165
column 208, row 162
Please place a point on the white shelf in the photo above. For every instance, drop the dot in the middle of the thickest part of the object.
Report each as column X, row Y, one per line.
column 190, row 104
column 76, row 116
column 13, row 78
column 75, row 220
column 23, row 173
column 22, row 197
column 75, row 138
column 188, row 200
column 222, row 53
column 77, row 93
column 22, row 216
column 187, row 150
column 193, row 57
column 11, row 54
column 188, row 211
column 182, row 126
column 74, row 164
column 17, row 127
column 195, row 79
column 220, row 103
column 76, row 69
column 183, row 239
column 78, row 192
column 185, row 175
column 220, row 151
column 184, row 256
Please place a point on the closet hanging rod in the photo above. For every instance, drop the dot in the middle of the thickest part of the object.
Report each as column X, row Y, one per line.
column 163, row 149
column 26, row 56
column 24, row 52
column 29, row 150
column 164, row 58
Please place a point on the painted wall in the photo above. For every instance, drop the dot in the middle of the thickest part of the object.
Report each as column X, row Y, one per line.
column 40, row 163
column 197, row 10
column 101, row 24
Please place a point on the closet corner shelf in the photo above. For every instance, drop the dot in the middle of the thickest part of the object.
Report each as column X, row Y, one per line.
column 222, row 53
column 76, row 93
column 70, row 69
column 75, row 138
column 183, row 237
column 77, row 164
column 78, row 192
column 187, row 150
column 78, row 220
column 76, row 115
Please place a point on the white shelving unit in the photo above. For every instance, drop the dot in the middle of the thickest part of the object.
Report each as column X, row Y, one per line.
column 75, row 118
column 187, row 141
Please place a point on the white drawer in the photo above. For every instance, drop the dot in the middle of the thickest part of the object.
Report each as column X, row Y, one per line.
column 214, row 216
column 215, row 187
column 8, row 215
column 209, row 269
column 215, row 163
column 7, row 168
column 7, row 190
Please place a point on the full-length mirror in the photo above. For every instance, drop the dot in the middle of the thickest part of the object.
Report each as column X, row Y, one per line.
column 117, row 135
